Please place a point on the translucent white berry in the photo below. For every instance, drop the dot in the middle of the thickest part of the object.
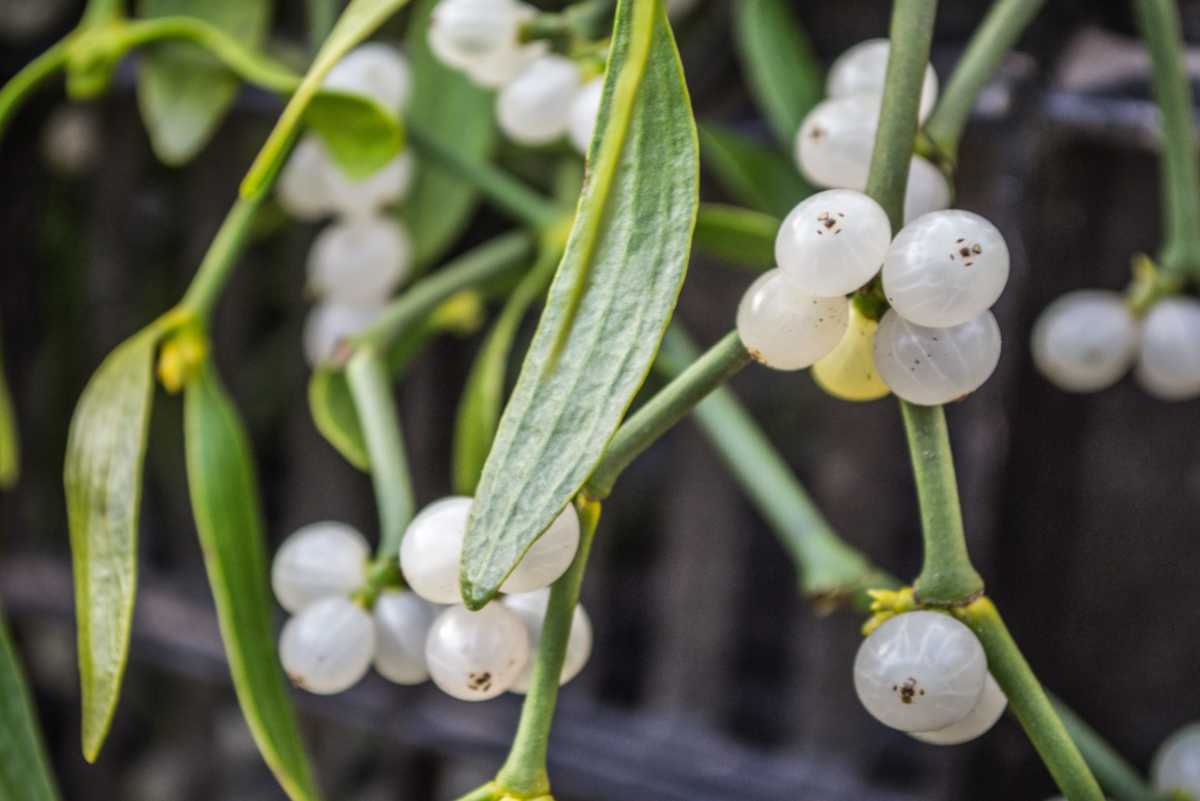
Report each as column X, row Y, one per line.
column 327, row 646
column 833, row 242
column 359, row 261
column 848, row 372
column 1085, row 341
column 928, row 366
column 1168, row 364
column 1176, row 764
column 376, row 70
column 944, row 268
column 531, row 608
column 861, row 71
column 785, row 328
column 328, row 324
column 834, row 144
column 549, row 556
column 533, row 108
column 304, row 188
column 584, row 110
column 317, row 561
column 365, row 197
column 474, row 656
column 927, row 189
column 920, row 671
column 464, row 32
column 402, row 623
column 992, row 703
column 432, row 547
column 505, row 63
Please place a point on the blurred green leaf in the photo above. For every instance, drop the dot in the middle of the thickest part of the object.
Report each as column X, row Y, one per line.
column 224, row 497
column 784, row 74
column 24, row 770
column 462, row 114
column 333, row 412
column 10, row 442
column 358, row 133
column 624, row 265
column 184, row 92
column 756, row 175
column 738, row 236
column 106, row 447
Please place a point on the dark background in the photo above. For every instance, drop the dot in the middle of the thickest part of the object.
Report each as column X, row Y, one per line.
column 711, row 679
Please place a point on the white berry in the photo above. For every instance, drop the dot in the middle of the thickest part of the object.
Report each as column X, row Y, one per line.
column 1085, row 341
column 304, row 188
column 1176, row 764
column 785, row 328
column 833, row 242
column 927, row 190
column 944, row 268
column 432, row 548
column 328, row 324
column 834, row 144
column 505, row 63
column 533, row 109
column 1168, row 364
column 317, row 561
column 920, row 671
column 549, row 556
column 992, row 703
column 928, row 366
column 474, row 656
column 71, row 142
column 359, row 261
column 402, row 623
column 375, row 70
column 365, row 197
column 531, row 608
column 861, row 70
column 327, row 646
column 581, row 123
column 464, row 32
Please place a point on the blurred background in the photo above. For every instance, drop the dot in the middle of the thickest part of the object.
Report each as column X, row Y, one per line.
column 711, row 678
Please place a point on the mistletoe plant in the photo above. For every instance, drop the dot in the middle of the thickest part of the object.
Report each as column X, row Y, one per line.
column 873, row 282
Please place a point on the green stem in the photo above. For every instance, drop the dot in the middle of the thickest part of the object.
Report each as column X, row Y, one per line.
column 101, row 12
column 995, row 36
column 524, row 772
column 321, row 16
column 508, row 193
column 370, row 387
column 1029, row 703
column 221, row 258
column 36, row 72
column 1159, row 22
column 10, row 442
column 947, row 576
column 1113, row 772
column 484, row 263
column 674, row 401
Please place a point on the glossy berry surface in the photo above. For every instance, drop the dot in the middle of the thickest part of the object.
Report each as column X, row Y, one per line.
column 920, row 671
column 359, row 261
column 303, row 189
column 534, row 108
column 848, row 371
column 581, row 123
column 463, row 33
column 1168, row 362
column 366, row 197
column 861, row 71
column 945, row 268
column 531, row 608
column 991, row 706
column 432, row 548
column 833, row 242
column 835, row 141
column 1176, row 764
column 317, row 561
column 928, row 366
column 549, row 556
column 927, row 190
column 327, row 647
column 787, row 329
column 1085, row 341
column 402, row 622
column 328, row 324
column 375, row 70
column 474, row 656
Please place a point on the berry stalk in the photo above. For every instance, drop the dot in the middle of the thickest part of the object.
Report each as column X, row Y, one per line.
column 220, row 259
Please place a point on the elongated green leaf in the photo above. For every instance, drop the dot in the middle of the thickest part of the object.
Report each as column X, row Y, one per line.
column 183, row 92
column 783, row 72
column 10, row 442
column 225, row 504
column 444, row 100
column 357, row 22
column 103, row 479
column 358, row 133
column 24, row 769
column 758, row 176
column 333, row 412
column 739, row 236
column 628, row 252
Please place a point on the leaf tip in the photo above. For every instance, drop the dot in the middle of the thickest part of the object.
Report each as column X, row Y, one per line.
column 476, row 596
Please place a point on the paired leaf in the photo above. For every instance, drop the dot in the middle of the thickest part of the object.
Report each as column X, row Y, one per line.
column 106, row 447
column 10, row 442
column 183, row 91
column 608, row 306
column 24, row 769
column 225, row 504
column 738, row 236
column 784, row 74
column 756, row 175
column 445, row 101
column 333, row 412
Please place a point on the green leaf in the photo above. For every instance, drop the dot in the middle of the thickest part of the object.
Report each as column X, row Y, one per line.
column 222, row 486
column 739, row 236
column 358, row 133
column 462, row 114
column 103, row 479
column 784, row 74
column 10, row 442
column 24, row 769
column 184, row 92
column 358, row 21
column 628, row 253
column 333, row 412
column 757, row 176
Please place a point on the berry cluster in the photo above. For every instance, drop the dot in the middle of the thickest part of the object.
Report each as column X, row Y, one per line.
column 358, row 260
column 543, row 96
column 940, row 275
column 925, row 673
column 340, row 626
column 1088, row 339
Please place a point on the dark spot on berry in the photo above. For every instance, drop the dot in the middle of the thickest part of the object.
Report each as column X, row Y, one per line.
column 815, row 134
column 908, row 690
column 480, row 682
